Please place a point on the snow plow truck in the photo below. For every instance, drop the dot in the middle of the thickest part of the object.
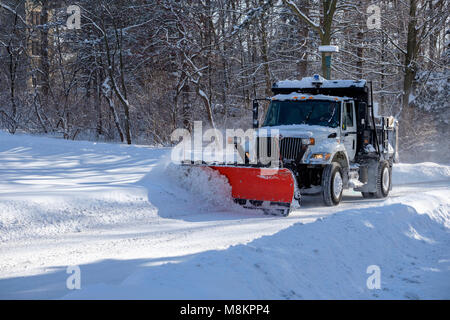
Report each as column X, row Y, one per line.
column 326, row 138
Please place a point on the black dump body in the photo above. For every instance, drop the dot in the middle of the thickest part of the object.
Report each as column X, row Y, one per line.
column 358, row 90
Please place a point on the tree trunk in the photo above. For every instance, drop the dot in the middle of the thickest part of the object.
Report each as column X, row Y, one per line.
column 207, row 103
column 112, row 108
column 44, row 54
column 265, row 54
column 97, row 101
column 328, row 7
column 324, row 29
column 411, row 50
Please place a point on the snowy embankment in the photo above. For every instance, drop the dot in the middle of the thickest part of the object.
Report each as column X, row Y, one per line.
column 406, row 173
column 50, row 186
column 327, row 259
column 139, row 227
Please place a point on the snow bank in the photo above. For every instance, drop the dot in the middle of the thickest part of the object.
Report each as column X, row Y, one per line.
column 405, row 173
column 53, row 186
column 327, row 259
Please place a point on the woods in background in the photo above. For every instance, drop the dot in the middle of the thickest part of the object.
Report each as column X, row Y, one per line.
column 136, row 70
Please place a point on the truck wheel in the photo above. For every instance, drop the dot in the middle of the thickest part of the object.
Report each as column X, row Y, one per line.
column 383, row 180
column 332, row 184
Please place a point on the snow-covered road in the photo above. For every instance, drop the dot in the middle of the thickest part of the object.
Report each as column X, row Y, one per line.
column 140, row 229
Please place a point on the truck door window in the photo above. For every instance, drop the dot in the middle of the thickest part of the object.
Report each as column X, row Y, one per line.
column 349, row 114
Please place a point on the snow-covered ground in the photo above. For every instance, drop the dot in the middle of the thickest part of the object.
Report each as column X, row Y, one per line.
column 139, row 227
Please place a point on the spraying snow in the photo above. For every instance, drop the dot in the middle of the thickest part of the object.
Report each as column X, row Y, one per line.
column 203, row 183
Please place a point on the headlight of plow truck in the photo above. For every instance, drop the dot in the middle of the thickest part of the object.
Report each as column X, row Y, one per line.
column 320, row 157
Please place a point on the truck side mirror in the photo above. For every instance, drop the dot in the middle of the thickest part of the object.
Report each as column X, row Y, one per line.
column 255, row 114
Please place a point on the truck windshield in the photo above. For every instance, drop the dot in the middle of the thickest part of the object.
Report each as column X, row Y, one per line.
column 311, row 112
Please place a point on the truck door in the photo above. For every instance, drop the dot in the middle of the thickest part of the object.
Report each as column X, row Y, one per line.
column 349, row 129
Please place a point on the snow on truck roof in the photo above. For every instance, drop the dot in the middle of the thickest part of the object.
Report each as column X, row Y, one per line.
column 310, row 82
column 302, row 97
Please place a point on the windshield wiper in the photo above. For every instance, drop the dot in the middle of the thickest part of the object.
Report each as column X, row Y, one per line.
column 308, row 116
column 332, row 115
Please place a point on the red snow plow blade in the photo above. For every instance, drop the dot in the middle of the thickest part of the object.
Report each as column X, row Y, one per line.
column 271, row 190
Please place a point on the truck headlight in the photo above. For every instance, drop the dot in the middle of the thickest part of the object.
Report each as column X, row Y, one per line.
column 321, row 156
column 308, row 141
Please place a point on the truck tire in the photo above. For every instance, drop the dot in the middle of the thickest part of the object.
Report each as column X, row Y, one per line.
column 332, row 184
column 384, row 176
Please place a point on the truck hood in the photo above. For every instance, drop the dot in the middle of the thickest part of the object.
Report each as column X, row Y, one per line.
column 298, row 131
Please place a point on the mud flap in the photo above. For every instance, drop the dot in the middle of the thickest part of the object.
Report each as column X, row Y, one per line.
column 268, row 189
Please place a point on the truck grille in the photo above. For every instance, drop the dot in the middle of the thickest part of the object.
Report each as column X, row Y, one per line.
column 290, row 148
